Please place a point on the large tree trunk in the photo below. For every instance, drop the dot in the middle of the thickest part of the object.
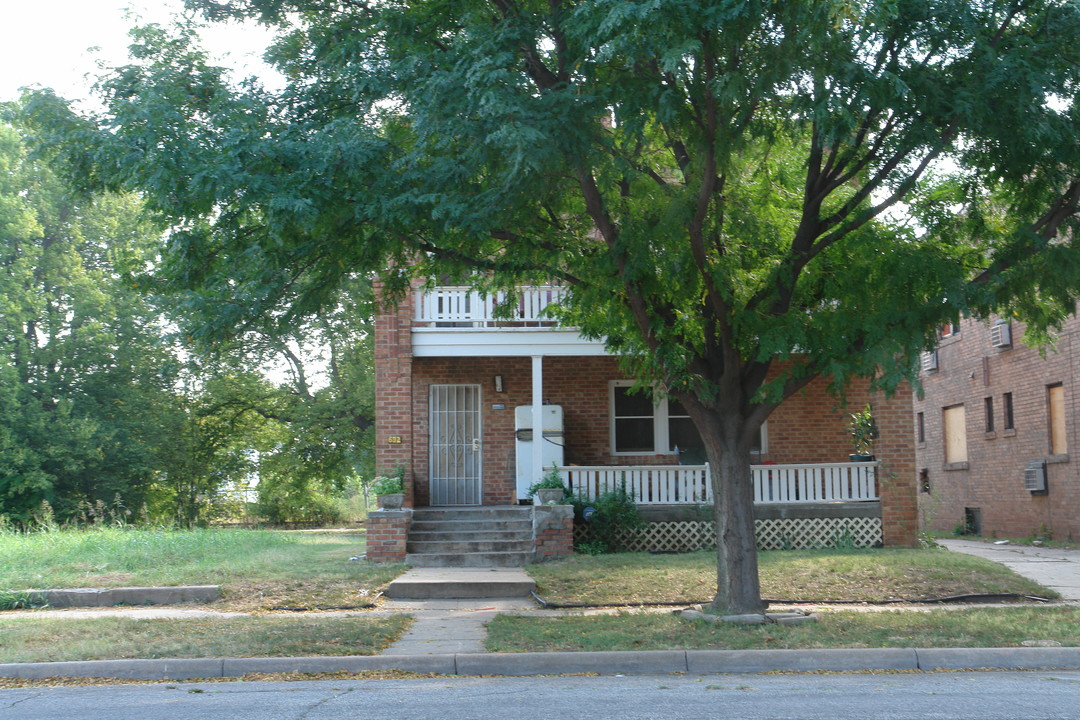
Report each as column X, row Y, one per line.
column 738, row 589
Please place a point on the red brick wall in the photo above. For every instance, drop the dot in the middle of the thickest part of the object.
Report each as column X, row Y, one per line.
column 394, row 394
column 553, row 531
column 970, row 370
column 387, row 533
column 895, row 448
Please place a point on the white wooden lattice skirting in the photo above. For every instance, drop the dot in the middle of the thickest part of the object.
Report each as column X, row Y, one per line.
column 772, row 534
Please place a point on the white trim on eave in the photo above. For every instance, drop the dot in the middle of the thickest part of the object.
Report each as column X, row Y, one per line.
column 503, row 342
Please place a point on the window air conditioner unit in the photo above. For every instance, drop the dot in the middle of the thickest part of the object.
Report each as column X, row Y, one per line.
column 929, row 361
column 1035, row 476
column 1001, row 334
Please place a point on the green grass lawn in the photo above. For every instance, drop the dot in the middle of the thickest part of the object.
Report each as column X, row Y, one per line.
column 983, row 627
column 42, row 638
column 257, row 569
column 788, row 575
column 820, row 576
column 261, row 569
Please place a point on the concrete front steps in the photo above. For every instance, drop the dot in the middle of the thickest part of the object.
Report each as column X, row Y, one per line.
column 474, row 537
column 461, row 583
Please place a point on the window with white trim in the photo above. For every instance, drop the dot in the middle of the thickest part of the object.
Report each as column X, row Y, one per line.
column 633, row 421
column 642, row 426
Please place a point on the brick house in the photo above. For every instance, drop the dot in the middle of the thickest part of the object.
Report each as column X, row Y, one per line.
column 459, row 391
column 994, row 428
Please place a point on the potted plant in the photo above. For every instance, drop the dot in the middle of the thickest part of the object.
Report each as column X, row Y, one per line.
column 550, row 490
column 864, row 432
column 390, row 489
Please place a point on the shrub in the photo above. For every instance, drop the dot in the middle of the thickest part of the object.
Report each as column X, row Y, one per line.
column 613, row 518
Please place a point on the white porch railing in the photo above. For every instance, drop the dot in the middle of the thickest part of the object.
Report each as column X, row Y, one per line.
column 649, row 484
column 689, row 484
column 465, row 307
column 815, row 483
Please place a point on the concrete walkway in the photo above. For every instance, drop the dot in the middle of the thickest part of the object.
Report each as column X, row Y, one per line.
column 1055, row 568
column 448, row 627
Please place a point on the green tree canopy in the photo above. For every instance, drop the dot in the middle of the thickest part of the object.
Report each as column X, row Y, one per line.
column 99, row 400
column 85, row 373
column 722, row 184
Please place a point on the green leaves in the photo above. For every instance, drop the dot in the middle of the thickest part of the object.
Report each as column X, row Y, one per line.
column 720, row 184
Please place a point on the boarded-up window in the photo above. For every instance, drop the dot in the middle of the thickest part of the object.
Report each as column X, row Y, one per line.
column 1056, row 398
column 955, row 434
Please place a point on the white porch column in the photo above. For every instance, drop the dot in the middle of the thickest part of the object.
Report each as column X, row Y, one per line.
column 537, row 464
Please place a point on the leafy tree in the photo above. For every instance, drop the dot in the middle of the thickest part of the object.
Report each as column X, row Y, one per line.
column 85, row 376
column 96, row 401
column 316, row 431
column 741, row 195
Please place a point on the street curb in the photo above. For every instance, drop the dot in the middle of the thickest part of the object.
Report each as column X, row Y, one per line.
column 562, row 663
column 1022, row 658
column 436, row 664
column 841, row 660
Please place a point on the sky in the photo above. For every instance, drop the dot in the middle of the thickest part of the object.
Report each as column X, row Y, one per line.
column 48, row 43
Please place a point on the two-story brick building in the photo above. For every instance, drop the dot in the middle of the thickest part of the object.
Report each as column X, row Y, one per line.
column 459, row 391
column 994, row 428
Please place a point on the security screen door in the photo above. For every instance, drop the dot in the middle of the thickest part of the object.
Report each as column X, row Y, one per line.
column 455, row 445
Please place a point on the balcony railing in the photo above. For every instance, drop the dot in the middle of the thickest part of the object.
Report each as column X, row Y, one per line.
column 465, row 307
column 689, row 484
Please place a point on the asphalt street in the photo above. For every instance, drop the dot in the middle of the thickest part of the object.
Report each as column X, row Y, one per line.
column 888, row 696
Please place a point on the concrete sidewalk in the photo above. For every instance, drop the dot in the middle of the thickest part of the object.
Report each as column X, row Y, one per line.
column 449, row 627
column 1055, row 568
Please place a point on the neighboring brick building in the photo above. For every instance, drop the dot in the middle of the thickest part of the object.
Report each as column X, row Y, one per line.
column 994, row 428
column 443, row 359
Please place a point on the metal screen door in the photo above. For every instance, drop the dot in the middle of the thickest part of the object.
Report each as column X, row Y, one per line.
column 455, row 445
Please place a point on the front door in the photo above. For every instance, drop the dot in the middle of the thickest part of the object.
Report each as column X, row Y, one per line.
column 455, row 445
